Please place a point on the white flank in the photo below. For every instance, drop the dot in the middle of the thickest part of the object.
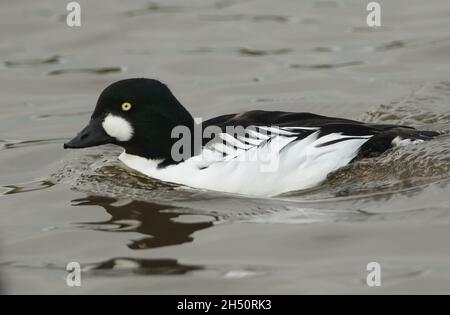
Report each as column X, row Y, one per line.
column 267, row 168
column 118, row 127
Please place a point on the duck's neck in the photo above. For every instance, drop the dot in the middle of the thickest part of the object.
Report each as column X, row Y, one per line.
column 169, row 141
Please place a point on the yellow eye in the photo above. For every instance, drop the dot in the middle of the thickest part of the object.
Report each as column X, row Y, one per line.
column 126, row 107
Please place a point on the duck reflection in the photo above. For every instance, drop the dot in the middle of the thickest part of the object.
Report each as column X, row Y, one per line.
column 155, row 221
column 144, row 267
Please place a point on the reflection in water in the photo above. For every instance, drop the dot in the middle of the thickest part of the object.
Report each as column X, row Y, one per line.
column 154, row 8
column 155, row 221
column 326, row 65
column 62, row 115
column 14, row 144
column 100, row 70
column 260, row 52
column 391, row 45
column 127, row 266
column 33, row 62
column 26, row 187
column 251, row 18
column 119, row 266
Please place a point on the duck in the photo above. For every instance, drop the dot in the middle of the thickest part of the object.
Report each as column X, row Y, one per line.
column 258, row 152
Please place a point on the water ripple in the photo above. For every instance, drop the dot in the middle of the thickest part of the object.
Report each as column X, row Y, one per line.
column 26, row 187
column 99, row 71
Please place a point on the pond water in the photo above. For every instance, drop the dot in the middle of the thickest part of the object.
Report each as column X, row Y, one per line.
column 132, row 234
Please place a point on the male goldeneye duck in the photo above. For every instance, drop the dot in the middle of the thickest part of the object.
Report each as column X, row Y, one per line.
column 257, row 152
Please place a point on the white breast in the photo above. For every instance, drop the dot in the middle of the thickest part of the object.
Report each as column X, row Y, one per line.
column 267, row 167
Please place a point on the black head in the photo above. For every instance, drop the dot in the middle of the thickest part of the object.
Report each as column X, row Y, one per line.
column 138, row 115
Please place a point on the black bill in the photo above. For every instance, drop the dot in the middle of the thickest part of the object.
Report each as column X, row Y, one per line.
column 91, row 136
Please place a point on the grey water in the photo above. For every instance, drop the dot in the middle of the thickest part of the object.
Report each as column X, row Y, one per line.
column 133, row 234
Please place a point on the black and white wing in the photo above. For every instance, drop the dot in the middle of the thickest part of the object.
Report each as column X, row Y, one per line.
column 233, row 143
column 270, row 132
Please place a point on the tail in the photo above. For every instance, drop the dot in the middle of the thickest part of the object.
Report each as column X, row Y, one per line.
column 395, row 137
column 414, row 137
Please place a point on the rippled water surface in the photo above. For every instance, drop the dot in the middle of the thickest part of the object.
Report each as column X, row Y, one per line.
column 133, row 234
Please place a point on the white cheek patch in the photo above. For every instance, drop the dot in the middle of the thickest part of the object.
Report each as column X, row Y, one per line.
column 118, row 127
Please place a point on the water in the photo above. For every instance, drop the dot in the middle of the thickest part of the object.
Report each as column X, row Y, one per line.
column 133, row 234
